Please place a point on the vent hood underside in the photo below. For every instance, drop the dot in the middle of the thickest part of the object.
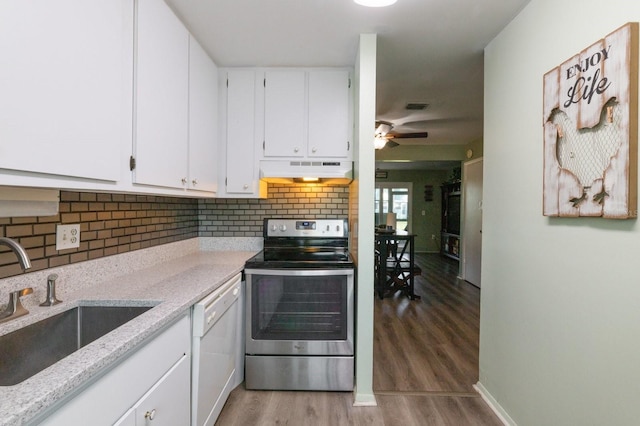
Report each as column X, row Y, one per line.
column 285, row 171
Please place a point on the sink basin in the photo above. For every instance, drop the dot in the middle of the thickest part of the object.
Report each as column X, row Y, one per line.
column 37, row 346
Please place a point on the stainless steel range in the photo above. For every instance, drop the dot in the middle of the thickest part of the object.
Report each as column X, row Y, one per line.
column 300, row 307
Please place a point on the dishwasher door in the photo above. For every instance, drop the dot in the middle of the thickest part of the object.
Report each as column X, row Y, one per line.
column 215, row 343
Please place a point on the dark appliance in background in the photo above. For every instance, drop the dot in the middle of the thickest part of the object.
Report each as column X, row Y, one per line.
column 300, row 307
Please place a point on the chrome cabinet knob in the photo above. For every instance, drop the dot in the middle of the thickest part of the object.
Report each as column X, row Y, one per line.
column 150, row 414
column 184, row 180
column 296, row 149
column 194, row 182
column 245, row 186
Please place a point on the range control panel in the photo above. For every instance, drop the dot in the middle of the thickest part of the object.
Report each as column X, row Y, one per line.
column 306, row 228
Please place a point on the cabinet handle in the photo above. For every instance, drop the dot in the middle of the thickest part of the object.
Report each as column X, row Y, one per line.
column 245, row 186
column 150, row 414
column 184, row 181
column 194, row 182
column 313, row 149
column 296, row 149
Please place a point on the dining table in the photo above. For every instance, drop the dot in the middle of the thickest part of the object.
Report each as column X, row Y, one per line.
column 395, row 267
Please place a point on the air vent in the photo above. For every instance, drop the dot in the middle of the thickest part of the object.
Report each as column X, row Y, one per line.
column 416, row 106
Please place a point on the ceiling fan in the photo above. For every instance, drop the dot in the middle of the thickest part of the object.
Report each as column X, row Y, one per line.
column 384, row 137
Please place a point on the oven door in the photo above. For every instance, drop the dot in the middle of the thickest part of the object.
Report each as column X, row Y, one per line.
column 299, row 311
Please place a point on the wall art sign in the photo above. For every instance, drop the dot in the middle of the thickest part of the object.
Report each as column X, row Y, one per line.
column 591, row 130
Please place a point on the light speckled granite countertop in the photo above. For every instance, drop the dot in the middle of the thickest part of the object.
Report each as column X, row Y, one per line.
column 172, row 282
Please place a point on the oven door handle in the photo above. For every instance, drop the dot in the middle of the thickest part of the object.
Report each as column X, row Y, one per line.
column 286, row 272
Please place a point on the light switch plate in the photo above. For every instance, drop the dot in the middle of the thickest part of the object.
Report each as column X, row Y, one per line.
column 67, row 236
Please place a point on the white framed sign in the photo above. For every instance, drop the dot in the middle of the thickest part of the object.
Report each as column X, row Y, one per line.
column 590, row 120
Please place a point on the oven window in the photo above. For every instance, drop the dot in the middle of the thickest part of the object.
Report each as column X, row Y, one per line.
column 299, row 307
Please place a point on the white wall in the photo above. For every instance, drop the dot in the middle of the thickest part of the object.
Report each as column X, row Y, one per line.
column 560, row 309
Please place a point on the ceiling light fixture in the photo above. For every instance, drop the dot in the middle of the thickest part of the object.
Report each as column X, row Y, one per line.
column 375, row 3
column 379, row 142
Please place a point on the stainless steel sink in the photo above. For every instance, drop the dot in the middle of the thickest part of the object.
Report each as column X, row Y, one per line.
column 33, row 348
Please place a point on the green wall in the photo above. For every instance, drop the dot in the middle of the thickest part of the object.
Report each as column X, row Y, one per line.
column 560, row 306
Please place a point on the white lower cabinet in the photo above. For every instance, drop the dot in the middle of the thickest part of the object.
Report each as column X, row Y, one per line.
column 154, row 380
column 166, row 403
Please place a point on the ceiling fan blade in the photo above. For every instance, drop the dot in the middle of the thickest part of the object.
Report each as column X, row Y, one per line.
column 391, row 144
column 408, row 135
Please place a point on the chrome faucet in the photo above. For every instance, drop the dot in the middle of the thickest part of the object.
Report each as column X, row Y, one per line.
column 23, row 257
column 14, row 308
column 51, row 291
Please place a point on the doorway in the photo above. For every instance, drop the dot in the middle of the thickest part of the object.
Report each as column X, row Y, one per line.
column 394, row 197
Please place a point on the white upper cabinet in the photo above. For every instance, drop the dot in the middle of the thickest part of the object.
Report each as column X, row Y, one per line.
column 329, row 114
column 307, row 113
column 284, row 113
column 241, row 126
column 161, row 97
column 65, row 89
column 203, row 119
column 176, row 100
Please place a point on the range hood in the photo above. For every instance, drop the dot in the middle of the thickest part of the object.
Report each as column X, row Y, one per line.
column 286, row 171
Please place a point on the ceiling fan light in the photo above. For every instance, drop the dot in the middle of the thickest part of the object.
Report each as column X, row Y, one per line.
column 379, row 142
column 383, row 129
column 375, row 3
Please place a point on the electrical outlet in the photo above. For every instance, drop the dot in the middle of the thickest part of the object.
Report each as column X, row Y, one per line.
column 433, row 236
column 67, row 236
column 423, row 212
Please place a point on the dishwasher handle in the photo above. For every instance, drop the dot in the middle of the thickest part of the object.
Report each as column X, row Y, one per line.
column 210, row 309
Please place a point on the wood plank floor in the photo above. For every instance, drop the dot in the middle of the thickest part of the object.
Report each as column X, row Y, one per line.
column 425, row 362
column 430, row 344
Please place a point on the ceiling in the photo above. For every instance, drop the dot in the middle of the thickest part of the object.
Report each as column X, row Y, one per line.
column 429, row 51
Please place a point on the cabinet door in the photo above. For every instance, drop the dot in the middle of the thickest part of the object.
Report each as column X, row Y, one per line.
column 285, row 114
column 329, row 114
column 168, row 402
column 203, row 118
column 65, row 83
column 129, row 419
column 241, row 120
column 162, row 90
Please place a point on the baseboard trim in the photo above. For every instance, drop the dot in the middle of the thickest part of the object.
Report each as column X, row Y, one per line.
column 494, row 405
column 364, row 400
column 427, row 393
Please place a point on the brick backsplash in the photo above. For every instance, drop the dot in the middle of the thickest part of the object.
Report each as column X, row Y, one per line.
column 243, row 217
column 109, row 224
column 118, row 223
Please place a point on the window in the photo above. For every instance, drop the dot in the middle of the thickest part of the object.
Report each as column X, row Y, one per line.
column 396, row 198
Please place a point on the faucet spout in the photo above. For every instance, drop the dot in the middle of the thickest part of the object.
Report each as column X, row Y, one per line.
column 23, row 257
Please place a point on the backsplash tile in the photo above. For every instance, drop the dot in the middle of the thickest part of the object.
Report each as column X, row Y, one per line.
column 109, row 224
column 119, row 223
column 221, row 217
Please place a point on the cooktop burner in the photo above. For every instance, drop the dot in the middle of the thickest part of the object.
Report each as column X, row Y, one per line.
column 284, row 258
column 303, row 243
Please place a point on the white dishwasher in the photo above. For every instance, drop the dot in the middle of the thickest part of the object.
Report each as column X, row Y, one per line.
column 215, row 346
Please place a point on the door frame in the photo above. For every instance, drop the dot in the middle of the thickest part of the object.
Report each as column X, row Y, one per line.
column 470, row 225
